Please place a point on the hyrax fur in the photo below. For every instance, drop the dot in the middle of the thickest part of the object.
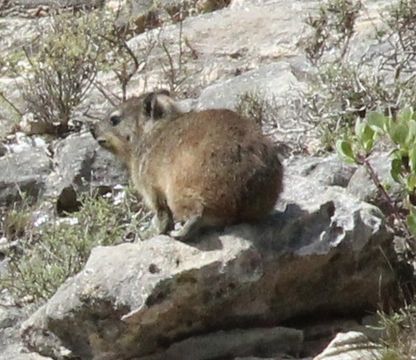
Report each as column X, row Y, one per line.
column 206, row 168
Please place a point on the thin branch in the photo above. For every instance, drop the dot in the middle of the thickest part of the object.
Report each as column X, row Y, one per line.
column 10, row 104
column 394, row 211
column 103, row 92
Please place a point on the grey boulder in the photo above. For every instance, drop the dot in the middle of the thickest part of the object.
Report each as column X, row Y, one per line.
column 23, row 174
column 324, row 253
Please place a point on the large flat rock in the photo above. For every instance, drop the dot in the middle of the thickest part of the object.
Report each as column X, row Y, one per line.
column 324, row 253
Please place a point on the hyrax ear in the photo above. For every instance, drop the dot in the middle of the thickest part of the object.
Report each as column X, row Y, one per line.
column 159, row 105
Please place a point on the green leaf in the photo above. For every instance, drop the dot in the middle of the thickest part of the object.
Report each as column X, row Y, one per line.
column 377, row 121
column 412, row 131
column 411, row 182
column 395, row 171
column 399, row 133
column 412, row 159
column 411, row 221
column 405, row 115
column 367, row 134
column 389, row 124
column 359, row 127
column 368, row 145
column 344, row 148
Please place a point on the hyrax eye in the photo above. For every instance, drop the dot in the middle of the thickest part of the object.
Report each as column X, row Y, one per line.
column 115, row 119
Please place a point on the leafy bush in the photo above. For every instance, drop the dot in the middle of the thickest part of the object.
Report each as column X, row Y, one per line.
column 62, row 69
column 399, row 330
column 64, row 62
column 333, row 27
column 367, row 103
column 346, row 89
column 48, row 255
column 16, row 222
column 401, row 132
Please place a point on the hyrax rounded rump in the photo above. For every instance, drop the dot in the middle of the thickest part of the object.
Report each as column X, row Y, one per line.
column 206, row 168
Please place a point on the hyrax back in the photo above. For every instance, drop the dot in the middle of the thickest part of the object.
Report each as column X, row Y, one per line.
column 207, row 168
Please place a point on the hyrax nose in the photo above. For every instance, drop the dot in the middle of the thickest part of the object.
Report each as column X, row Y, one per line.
column 93, row 130
column 101, row 141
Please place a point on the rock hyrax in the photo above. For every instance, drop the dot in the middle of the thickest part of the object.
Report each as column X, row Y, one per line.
column 205, row 168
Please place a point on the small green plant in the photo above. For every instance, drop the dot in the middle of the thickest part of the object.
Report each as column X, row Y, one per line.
column 399, row 333
column 399, row 328
column 48, row 255
column 62, row 69
column 341, row 89
column 333, row 27
column 349, row 88
column 64, row 63
column 400, row 130
column 15, row 223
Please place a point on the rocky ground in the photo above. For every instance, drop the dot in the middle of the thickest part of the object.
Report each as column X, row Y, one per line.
column 304, row 280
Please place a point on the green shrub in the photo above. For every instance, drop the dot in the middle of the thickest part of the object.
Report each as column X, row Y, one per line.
column 333, row 28
column 64, row 63
column 16, row 222
column 48, row 255
column 399, row 333
column 346, row 90
column 370, row 103
column 62, row 68
column 400, row 130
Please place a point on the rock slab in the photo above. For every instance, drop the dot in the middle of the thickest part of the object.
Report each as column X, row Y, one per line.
column 324, row 254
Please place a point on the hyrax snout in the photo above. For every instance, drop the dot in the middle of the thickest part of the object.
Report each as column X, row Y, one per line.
column 206, row 168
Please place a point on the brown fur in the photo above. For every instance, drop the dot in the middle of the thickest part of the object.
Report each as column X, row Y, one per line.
column 208, row 168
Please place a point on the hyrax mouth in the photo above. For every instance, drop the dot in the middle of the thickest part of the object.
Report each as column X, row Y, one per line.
column 102, row 142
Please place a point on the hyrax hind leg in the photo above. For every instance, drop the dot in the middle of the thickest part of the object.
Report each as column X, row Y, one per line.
column 194, row 226
column 191, row 227
column 162, row 221
column 187, row 206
